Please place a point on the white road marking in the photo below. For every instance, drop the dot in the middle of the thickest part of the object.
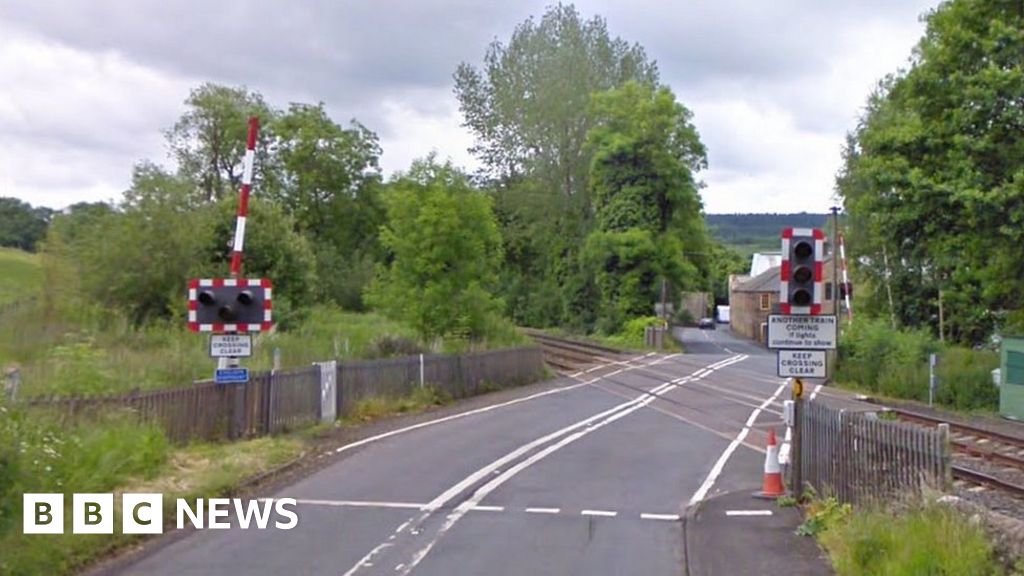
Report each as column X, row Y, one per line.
column 371, row 439
column 815, row 393
column 668, row 517
column 748, row 512
column 591, row 424
column 716, row 470
column 727, row 351
column 365, row 560
column 607, row 513
column 488, row 508
column 543, row 510
column 361, row 504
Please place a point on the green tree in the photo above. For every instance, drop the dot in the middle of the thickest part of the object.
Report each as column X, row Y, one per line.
column 21, row 225
column 527, row 107
column 648, row 211
column 208, row 141
column 933, row 177
column 330, row 181
column 444, row 251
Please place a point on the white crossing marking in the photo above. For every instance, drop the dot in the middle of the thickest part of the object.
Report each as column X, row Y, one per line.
column 815, row 393
column 669, row 517
column 748, row 512
column 362, row 504
column 607, row 513
column 543, row 510
column 488, row 508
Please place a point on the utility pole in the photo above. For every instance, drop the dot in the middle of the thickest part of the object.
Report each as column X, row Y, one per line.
column 835, row 258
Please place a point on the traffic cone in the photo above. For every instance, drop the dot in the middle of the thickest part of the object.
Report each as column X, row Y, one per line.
column 772, row 486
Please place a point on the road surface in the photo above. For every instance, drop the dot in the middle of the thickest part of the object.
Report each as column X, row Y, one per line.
column 592, row 477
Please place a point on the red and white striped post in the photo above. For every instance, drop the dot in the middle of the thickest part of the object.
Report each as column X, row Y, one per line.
column 846, row 279
column 243, row 200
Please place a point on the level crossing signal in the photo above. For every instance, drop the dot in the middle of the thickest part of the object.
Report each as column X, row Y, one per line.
column 802, row 283
column 230, row 305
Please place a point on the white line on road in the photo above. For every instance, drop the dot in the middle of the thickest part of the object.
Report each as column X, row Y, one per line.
column 365, row 560
column 589, row 425
column 815, row 393
column 748, row 512
column 371, row 439
column 543, row 510
column 716, row 470
column 361, row 504
column 669, row 517
column 607, row 513
column 488, row 508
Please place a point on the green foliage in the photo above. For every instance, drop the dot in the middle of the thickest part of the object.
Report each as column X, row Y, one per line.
column 631, row 335
column 419, row 399
column 934, row 176
column 822, row 516
column 928, row 539
column 21, row 225
column 646, row 152
column 444, row 249
column 529, row 110
column 20, row 275
column 895, row 363
column 209, row 140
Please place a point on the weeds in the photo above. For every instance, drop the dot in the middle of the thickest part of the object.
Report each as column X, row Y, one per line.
column 927, row 539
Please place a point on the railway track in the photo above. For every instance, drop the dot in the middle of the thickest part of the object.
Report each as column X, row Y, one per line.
column 979, row 443
column 570, row 355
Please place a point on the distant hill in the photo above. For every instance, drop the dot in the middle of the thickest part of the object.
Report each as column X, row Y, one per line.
column 20, row 275
column 750, row 233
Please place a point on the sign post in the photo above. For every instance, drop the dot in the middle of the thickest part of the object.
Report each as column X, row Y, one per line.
column 801, row 334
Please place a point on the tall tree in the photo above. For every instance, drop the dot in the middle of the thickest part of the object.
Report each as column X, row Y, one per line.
column 208, row 142
column 933, row 177
column 528, row 108
column 646, row 152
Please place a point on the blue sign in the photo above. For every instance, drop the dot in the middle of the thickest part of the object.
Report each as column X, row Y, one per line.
column 231, row 376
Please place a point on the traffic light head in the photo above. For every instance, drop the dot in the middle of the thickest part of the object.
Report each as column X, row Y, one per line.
column 229, row 305
column 801, row 282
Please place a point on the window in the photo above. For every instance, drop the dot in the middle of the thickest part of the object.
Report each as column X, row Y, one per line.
column 1014, row 367
column 766, row 301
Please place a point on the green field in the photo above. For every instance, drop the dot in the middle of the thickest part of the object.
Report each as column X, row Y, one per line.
column 21, row 276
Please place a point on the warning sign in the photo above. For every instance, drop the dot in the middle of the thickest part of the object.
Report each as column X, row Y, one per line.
column 801, row 332
column 802, row 363
column 230, row 346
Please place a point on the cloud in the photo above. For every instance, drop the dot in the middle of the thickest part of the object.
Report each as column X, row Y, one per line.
column 90, row 86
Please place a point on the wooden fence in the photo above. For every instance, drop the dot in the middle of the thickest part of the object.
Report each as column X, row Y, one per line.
column 858, row 458
column 272, row 403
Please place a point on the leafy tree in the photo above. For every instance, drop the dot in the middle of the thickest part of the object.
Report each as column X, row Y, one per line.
column 209, row 140
column 444, row 251
column 21, row 225
column 648, row 211
column 933, row 177
column 528, row 107
column 330, row 182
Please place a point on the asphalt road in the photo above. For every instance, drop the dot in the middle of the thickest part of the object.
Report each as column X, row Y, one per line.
column 594, row 477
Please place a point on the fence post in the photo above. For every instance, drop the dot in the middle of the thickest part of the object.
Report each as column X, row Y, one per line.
column 328, row 391
column 421, row 371
column 947, row 457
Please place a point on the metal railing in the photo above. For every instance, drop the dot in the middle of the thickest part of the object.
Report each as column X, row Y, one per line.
column 275, row 402
column 857, row 457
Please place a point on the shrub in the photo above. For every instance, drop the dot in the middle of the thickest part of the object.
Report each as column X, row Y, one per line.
column 928, row 539
column 895, row 363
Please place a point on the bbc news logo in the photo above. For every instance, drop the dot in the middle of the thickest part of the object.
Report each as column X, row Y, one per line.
column 144, row 513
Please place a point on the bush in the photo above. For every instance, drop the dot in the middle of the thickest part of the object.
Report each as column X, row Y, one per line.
column 894, row 363
column 929, row 539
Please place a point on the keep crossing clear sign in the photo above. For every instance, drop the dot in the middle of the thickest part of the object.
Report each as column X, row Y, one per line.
column 801, row 364
column 230, row 346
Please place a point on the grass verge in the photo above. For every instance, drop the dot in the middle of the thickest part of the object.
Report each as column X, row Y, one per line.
column 925, row 538
column 117, row 455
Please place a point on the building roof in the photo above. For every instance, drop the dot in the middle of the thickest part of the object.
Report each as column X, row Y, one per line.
column 767, row 281
column 762, row 261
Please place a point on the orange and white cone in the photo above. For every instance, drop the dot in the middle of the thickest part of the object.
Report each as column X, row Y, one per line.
column 772, row 487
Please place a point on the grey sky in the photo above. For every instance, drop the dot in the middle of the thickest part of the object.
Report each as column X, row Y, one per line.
column 88, row 87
